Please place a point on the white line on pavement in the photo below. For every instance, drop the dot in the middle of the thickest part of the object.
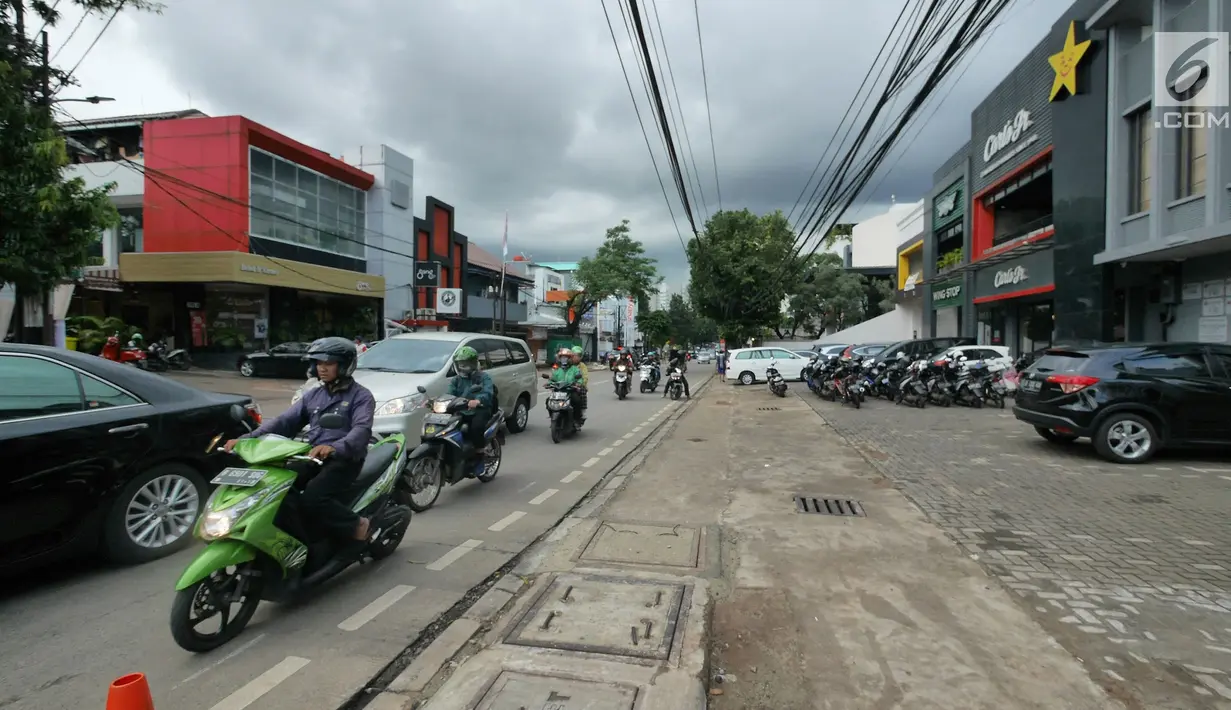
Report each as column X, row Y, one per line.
column 262, row 684
column 454, row 555
column 507, row 521
column 604, row 452
column 219, row 662
column 381, row 604
column 636, row 429
column 590, row 462
column 571, row 477
column 526, row 487
column 542, row 497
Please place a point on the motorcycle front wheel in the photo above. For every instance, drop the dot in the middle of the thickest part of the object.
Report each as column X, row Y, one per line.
column 557, row 429
column 425, row 483
column 491, row 461
column 211, row 598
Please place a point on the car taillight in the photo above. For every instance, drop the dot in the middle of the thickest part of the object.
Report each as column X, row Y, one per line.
column 254, row 411
column 1069, row 384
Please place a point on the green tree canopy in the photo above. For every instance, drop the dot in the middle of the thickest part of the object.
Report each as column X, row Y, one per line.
column 619, row 268
column 655, row 327
column 737, row 271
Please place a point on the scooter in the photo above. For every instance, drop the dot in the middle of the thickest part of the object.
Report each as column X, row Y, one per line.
column 675, row 383
column 649, row 377
column 127, row 356
column 566, row 419
column 177, row 359
column 622, row 384
column 443, row 453
column 258, row 547
column 777, row 385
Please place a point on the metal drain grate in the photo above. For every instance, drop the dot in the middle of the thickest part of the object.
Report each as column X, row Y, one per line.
column 829, row 506
column 768, row 409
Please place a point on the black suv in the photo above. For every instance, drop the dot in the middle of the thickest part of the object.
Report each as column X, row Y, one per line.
column 1130, row 399
column 921, row 348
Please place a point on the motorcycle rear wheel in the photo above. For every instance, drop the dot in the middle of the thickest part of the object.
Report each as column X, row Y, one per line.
column 183, row 630
column 395, row 520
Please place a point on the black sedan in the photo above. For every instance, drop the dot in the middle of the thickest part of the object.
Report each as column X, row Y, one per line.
column 102, row 456
column 283, row 360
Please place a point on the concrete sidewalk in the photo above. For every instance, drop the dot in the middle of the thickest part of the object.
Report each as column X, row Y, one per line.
column 693, row 577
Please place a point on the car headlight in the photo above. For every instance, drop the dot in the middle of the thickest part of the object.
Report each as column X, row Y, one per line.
column 218, row 523
column 401, row 405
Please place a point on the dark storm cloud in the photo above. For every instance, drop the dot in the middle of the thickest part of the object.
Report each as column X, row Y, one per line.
column 521, row 106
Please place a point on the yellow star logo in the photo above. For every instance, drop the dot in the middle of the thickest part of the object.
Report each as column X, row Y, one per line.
column 1065, row 63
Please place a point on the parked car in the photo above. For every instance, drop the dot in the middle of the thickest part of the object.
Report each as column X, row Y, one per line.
column 921, row 347
column 283, row 360
column 862, row 350
column 704, row 357
column 749, row 364
column 1130, row 400
column 988, row 355
column 396, row 367
column 828, row 352
column 101, row 455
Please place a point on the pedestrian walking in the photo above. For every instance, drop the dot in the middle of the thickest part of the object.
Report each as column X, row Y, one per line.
column 721, row 360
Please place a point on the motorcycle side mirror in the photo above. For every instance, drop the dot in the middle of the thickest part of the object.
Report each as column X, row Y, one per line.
column 901, row 354
column 332, row 421
column 421, row 389
column 545, row 376
column 238, row 413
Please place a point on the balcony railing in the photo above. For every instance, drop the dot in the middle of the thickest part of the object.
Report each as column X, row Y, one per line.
column 484, row 307
column 1024, row 232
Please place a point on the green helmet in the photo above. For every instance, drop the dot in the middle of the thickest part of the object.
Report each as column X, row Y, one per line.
column 576, row 349
column 466, row 360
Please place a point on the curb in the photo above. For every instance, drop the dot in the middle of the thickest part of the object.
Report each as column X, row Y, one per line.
column 449, row 633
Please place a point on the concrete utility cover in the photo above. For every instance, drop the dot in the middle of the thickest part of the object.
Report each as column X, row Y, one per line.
column 660, row 545
column 602, row 615
column 519, row 691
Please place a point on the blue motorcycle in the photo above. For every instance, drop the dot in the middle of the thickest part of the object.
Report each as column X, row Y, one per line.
column 445, row 456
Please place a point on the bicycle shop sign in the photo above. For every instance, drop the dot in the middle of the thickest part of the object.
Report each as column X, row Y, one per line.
column 1007, row 135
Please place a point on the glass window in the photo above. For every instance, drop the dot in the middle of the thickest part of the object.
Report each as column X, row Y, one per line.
column 1191, row 155
column 1223, row 360
column 307, row 181
column 1034, row 327
column 329, row 190
column 520, row 354
column 746, row 355
column 1169, row 365
column 262, row 163
column 285, row 175
column 36, row 388
column 1141, row 134
column 782, row 354
column 413, row 355
column 497, row 353
column 99, row 394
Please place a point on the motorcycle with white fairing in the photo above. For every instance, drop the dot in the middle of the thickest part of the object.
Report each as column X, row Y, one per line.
column 622, row 380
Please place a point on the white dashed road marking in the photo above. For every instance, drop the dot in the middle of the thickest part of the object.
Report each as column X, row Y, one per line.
column 590, row 462
column 571, row 477
column 262, row 684
column 542, row 497
column 454, row 555
column 617, row 442
column 371, row 611
column 604, row 452
column 507, row 521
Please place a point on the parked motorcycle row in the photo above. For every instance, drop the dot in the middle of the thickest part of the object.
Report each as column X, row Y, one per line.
column 156, row 358
column 943, row 381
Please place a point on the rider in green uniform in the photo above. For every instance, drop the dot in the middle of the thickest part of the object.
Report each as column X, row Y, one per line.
column 477, row 387
column 570, row 373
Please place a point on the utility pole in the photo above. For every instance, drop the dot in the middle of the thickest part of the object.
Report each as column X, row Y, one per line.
column 49, row 300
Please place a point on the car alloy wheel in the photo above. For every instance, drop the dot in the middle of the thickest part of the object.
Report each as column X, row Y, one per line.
column 747, row 379
column 1126, row 438
column 246, row 369
column 162, row 511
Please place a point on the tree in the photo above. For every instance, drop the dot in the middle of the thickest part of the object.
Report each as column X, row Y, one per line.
column 655, row 327
column 839, row 234
column 47, row 223
column 828, row 298
column 737, row 271
column 619, row 268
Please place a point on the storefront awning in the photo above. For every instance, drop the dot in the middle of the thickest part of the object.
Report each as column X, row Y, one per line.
column 238, row 267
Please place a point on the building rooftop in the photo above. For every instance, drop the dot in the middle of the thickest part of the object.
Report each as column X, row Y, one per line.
column 563, row 266
column 131, row 120
column 482, row 258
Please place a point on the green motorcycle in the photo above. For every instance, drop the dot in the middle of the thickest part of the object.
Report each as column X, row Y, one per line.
column 258, row 545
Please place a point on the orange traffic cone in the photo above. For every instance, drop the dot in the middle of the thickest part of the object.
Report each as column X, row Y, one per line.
column 130, row 692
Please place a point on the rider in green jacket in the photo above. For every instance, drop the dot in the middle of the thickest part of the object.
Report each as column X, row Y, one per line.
column 569, row 373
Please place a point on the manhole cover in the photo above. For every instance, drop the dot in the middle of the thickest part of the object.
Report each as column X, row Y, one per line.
column 522, row 691
column 662, row 545
column 768, row 409
column 618, row 617
column 829, row 506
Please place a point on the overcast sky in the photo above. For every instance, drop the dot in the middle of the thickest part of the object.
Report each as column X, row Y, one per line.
column 521, row 106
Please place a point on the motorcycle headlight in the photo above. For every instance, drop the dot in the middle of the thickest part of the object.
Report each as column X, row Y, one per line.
column 218, row 523
column 440, row 406
column 401, row 405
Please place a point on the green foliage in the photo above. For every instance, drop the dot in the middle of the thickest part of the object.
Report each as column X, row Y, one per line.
column 47, row 223
column 619, row 268
column 92, row 332
column 737, row 270
column 951, row 258
column 840, row 233
column 655, row 327
column 828, row 298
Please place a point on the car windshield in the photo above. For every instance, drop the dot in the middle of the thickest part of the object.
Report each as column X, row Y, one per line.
column 410, row 355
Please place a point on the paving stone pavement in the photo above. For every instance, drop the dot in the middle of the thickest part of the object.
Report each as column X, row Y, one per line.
column 1129, row 567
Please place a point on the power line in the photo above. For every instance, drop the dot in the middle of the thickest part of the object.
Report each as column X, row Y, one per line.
column 68, row 77
column 709, row 115
column 695, row 177
column 645, row 134
column 71, row 34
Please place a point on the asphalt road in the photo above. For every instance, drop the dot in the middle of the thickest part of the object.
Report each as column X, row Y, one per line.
column 65, row 637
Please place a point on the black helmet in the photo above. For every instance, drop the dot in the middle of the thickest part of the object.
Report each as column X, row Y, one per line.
column 335, row 349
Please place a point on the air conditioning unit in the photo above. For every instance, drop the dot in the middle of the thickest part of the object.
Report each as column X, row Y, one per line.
column 425, row 313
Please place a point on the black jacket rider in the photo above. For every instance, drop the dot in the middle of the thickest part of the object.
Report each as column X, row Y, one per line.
column 677, row 360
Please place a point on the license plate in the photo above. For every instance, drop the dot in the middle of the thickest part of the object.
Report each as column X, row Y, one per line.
column 430, row 429
column 240, row 477
column 1030, row 386
column 621, row 377
column 434, row 418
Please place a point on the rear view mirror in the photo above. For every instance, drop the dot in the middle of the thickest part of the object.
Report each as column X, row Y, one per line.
column 545, row 376
column 332, row 421
column 238, row 413
column 421, row 389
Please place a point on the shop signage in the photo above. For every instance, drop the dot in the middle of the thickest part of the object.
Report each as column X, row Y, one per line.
column 1029, row 272
column 947, row 294
column 254, row 269
column 1007, row 135
column 946, row 204
column 363, row 286
column 449, row 301
column 427, row 273
column 1065, row 63
column 1011, row 277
